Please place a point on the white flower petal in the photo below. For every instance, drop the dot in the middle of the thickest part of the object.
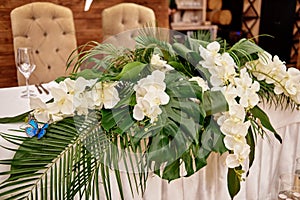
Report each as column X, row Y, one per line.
column 232, row 161
column 138, row 113
column 42, row 116
column 36, row 103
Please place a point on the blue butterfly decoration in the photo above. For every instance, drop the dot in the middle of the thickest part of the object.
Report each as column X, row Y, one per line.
column 34, row 130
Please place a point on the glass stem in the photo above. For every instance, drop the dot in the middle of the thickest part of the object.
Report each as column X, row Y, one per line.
column 27, row 88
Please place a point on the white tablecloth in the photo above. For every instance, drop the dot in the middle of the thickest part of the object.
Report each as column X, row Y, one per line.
column 271, row 159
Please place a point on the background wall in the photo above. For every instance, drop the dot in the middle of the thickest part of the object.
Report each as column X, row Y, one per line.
column 87, row 24
column 280, row 26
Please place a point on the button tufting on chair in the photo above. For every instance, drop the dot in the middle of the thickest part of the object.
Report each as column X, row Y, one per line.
column 51, row 32
column 125, row 18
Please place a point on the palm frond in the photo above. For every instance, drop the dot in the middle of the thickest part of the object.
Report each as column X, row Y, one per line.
column 155, row 39
column 49, row 167
column 98, row 56
column 49, row 156
column 203, row 35
column 243, row 51
column 280, row 101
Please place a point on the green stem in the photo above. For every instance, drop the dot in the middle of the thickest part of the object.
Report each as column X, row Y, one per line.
column 267, row 75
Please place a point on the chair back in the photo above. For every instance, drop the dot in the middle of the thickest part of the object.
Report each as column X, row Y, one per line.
column 49, row 30
column 121, row 22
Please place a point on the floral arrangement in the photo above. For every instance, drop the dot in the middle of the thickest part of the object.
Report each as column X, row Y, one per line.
column 159, row 107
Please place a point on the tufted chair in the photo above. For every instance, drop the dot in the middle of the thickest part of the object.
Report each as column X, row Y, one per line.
column 49, row 30
column 125, row 18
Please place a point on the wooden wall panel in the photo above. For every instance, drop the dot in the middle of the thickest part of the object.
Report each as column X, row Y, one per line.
column 87, row 25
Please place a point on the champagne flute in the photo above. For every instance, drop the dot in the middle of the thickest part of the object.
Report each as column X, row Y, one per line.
column 25, row 65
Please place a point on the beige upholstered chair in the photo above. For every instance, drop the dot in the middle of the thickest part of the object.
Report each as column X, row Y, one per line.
column 121, row 21
column 49, row 30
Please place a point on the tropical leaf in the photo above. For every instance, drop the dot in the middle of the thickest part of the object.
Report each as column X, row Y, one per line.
column 131, row 71
column 152, row 37
column 233, row 182
column 264, row 119
column 96, row 55
column 54, row 156
column 251, row 141
column 51, row 157
column 214, row 102
column 19, row 118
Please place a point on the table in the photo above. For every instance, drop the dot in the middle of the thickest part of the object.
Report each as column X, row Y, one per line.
column 271, row 159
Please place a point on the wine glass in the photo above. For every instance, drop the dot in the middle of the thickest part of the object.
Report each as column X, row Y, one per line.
column 25, row 65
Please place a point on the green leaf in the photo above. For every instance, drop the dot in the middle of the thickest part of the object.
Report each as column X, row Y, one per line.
column 204, row 73
column 19, row 118
column 159, row 150
column 171, row 171
column 58, row 156
column 212, row 138
column 264, row 119
column 191, row 56
column 89, row 74
column 248, row 46
column 195, row 44
column 181, row 49
column 201, row 155
column 233, row 182
column 251, row 142
column 188, row 163
column 214, row 102
column 179, row 67
column 131, row 71
column 107, row 119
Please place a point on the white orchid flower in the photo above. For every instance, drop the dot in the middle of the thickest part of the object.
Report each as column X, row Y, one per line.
column 146, row 86
column 83, row 102
column 237, row 112
column 292, row 84
column 81, row 84
column 209, row 54
column 296, row 97
column 230, row 94
column 247, row 89
column 105, row 94
column 40, row 110
column 150, row 95
column 55, row 114
column 221, row 117
column 201, row 82
column 143, row 108
column 62, row 100
column 156, row 97
column 241, row 153
column 231, row 141
column 223, row 70
column 159, row 64
column 82, row 97
column 278, row 71
column 68, row 85
column 234, row 127
column 139, row 111
column 250, row 97
column 153, row 113
column 156, row 79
